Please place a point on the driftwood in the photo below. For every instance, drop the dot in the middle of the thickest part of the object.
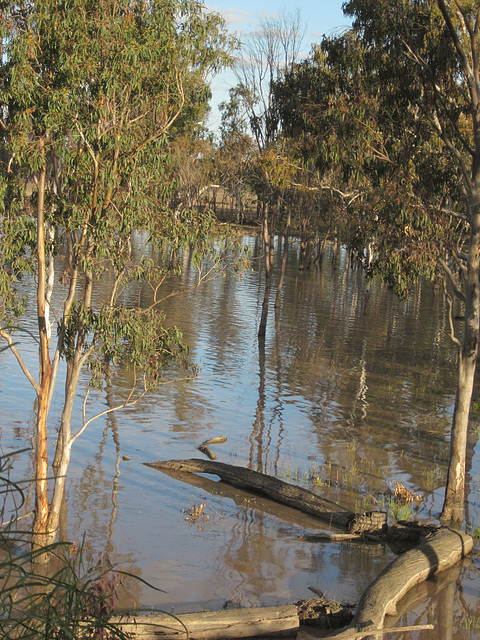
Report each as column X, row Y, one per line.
column 282, row 492
column 216, row 440
column 330, row 537
column 207, row 451
column 439, row 551
column 383, row 632
column 213, row 625
column 204, row 448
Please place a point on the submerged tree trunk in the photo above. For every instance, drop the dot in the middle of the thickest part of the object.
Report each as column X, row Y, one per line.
column 438, row 552
column 284, row 260
column 304, row 244
column 268, row 240
column 282, row 492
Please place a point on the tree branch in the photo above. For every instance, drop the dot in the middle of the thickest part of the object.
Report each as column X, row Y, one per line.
column 11, row 345
column 452, row 335
column 456, row 289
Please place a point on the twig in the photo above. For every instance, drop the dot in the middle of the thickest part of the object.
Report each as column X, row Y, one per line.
column 371, row 632
column 11, row 345
column 9, row 522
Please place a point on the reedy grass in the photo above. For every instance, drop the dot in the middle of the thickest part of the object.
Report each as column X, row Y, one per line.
column 64, row 599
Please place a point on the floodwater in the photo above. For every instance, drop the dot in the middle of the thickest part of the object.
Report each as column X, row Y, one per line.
column 352, row 391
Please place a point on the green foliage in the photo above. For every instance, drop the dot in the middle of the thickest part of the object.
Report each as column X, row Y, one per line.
column 361, row 110
column 475, row 533
column 135, row 338
column 90, row 91
column 399, row 510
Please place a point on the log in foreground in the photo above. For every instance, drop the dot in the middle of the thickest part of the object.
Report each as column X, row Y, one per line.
column 282, row 492
column 439, row 551
column 213, row 625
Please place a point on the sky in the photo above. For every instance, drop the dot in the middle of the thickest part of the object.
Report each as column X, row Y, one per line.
column 320, row 17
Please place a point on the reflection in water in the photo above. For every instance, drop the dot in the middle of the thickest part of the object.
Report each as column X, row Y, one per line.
column 257, row 435
column 353, row 390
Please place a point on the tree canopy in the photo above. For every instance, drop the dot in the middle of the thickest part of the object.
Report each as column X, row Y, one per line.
column 90, row 92
column 389, row 114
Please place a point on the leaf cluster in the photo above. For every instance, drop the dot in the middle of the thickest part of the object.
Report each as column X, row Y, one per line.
column 91, row 92
column 366, row 109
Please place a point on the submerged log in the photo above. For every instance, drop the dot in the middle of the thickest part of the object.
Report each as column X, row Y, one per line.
column 213, row 625
column 282, row 492
column 438, row 551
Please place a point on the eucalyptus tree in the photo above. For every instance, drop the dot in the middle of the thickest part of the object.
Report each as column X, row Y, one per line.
column 234, row 151
column 89, row 93
column 438, row 47
column 265, row 55
column 393, row 104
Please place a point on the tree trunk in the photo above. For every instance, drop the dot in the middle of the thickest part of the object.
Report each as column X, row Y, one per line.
column 64, row 443
column 303, row 244
column 453, row 507
column 41, row 462
column 284, row 260
column 269, row 239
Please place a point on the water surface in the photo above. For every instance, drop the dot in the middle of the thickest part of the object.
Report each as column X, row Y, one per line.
column 352, row 390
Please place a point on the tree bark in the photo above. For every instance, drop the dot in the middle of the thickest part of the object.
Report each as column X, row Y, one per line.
column 213, row 625
column 41, row 462
column 269, row 239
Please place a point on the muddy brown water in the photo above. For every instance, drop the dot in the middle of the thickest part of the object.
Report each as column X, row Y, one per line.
column 352, row 391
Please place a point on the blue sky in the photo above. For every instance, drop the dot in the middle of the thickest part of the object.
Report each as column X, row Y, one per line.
column 320, row 17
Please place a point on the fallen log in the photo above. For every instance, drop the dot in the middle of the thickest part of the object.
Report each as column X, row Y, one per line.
column 282, row 492
column 331, row 537
column 262, row 622
column 242, row 498
column 439, row 551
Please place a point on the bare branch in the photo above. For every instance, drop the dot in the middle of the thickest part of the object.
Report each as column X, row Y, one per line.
column 11, row 345
column 452, row 335
column 460, row 258
column 454, row 36
column 453, row 281
column 128, row 403
column 460, row 216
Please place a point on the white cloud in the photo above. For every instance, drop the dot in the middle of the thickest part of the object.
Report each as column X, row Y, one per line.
column 234, row 16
